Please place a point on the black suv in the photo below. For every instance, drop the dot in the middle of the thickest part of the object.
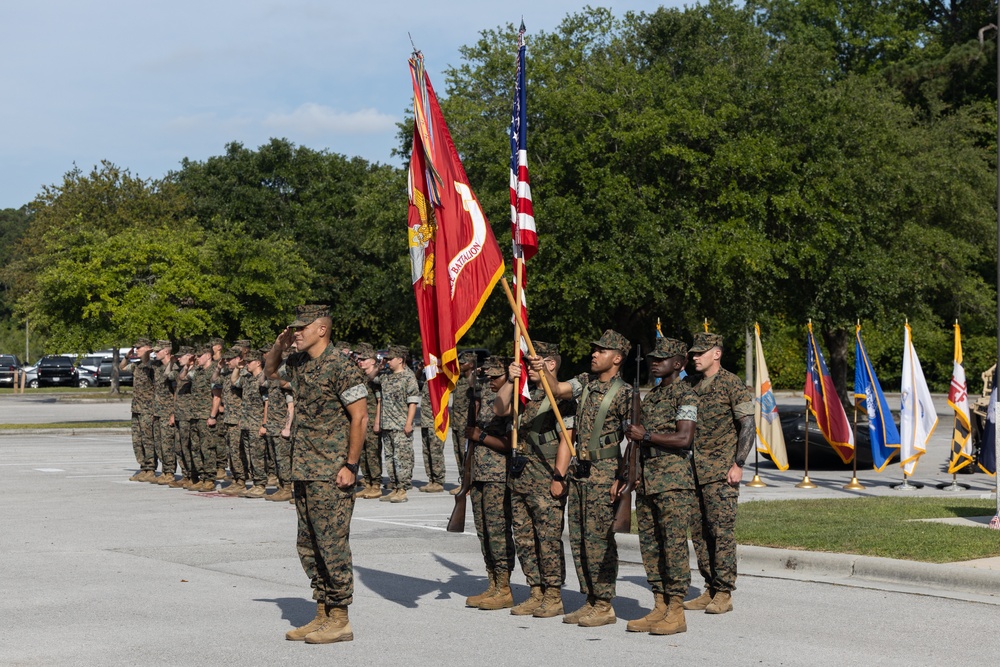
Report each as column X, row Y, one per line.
column 9, row 365
column 56, row 371
column 104, row 374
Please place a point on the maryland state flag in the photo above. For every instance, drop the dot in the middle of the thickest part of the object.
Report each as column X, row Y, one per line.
column 958, row 399
column 823, row 402
column 454, row 257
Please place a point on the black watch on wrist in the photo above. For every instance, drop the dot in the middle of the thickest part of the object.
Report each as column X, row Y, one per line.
column 740, row 464
column 353, row 467
column 556, row 477
column 482, row 437
column 646, row 438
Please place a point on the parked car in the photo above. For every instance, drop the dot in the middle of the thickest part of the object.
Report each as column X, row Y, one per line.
column 9, row 366
column 30, row 375
column 87, row 377
column 104, row 374
column 55, row 370
column 91, row 362
column 821, row 453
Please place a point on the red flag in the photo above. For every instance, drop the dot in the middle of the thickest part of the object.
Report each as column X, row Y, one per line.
column 522, row 216
column 454, row 257
column 823, row 402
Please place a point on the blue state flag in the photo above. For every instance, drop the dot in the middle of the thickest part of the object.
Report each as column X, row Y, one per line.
column 988, row 451
column 882, row 429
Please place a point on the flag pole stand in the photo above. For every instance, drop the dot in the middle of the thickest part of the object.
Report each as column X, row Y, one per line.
column 806, row 483
column 756, row 482
column 854, row 484
column 954, row 486
column 906, row 486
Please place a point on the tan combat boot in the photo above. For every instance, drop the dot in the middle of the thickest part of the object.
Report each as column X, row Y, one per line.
column 220, row 474
column 363, row 493
column 400, row 496
column 673, row 621
column 387, row 498
column 164, row 479
column 236, row 487
column 502, row 598
column 474, row 600
column 299, row 634
column 207, row 486
column 574, row 617
column 552, row 604
column 147, row 476
column 178, row 483
column 336, row 629
column 528, row 607
column 374, row 491
column 602, row 614
column 646, row 622
column 136, row 476
column 255, row 491
column 284, row 492
column 720, row 604
column 700, row 602
column 272, row 480
column 455, row 491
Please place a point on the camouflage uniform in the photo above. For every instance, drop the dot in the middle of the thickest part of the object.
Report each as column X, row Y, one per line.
column 217, row 433
column 232, row 399
column 202, row 437
column 433, row 446
column 163, row 407
column 399, row 391
column 665, row 496
column 323, row 388
column 251, row 418
column 183, row 404
column 142, row 411
column 590, row 510
column 278, row 400
column 371, row 453
column 490, row 495
column 722, row 400
column 459, row 408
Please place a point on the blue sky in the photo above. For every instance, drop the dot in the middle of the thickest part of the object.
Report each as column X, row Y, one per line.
column 146, row 84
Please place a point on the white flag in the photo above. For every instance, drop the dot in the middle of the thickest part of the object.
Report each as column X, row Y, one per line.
column 917, row 417
column 770, row 439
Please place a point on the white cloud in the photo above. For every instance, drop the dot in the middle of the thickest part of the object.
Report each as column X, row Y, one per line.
column 315, row 119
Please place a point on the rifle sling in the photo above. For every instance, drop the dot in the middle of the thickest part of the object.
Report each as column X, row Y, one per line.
column 594, row 451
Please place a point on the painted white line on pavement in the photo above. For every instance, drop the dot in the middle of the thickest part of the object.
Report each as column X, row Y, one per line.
column 70, row 463
column 408, row 525
column 86, row 476
column 50, row 470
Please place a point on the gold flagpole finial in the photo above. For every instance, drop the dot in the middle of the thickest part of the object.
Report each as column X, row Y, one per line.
column 706, row 325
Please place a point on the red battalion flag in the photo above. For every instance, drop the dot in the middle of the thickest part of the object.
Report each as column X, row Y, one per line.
column 823, row 401
column 455, row 260
column 522, row 215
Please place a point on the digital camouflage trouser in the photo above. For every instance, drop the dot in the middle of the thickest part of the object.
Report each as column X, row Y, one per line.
column 203, row 454
column 433, row 455
column 237, row 451
column 595, row 552
column 398, row 458
column 663, row 520
column 164, row 441
column 713, row 528
column 281, row 449
column 142, row 440
column 371, row 458
column 491, row 511
column 185, row 455
column 255, row 456
column 537, row 522
column 458, row 442
column 324, row 540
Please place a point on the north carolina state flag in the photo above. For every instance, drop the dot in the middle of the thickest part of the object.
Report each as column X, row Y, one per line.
column 455, row 259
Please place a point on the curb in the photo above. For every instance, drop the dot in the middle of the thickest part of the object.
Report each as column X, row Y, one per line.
column 862, row 570
column 9, row 432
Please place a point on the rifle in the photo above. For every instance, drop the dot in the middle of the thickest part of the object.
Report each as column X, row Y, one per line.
column 629, row 469
column 456, row 523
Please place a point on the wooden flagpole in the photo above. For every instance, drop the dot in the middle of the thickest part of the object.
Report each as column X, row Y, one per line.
column 516, row 405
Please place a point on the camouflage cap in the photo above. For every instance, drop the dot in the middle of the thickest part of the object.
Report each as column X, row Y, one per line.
column 306, row 315
column 143, row 342
column 703, row 342
column 342, row 345
column 217, row 341
column 364, row 351
column 232, row 353
column 252, row 355
column 546, row 349
column 397, row 351
column 667, row 348
column 162, row 344
column 612, row 340
column 493, row 367
column 204, row 349
column 184, row 349
column 243, row 344
column 467, row 358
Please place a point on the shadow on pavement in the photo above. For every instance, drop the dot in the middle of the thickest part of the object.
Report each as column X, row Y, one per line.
column 406, row 590
column 297, row 611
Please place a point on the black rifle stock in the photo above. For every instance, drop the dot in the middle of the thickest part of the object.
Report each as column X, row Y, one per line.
column 629, row 469
column 456, row 522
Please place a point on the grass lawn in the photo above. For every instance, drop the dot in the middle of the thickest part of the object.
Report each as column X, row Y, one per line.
column 871, row 527
column 103, row 424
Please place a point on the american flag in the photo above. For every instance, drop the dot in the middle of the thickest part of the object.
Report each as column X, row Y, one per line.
column 522, row 217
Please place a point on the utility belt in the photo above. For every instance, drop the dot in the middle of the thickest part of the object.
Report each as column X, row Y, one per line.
column 653, row 452
column 546, row 444
column 607, row 448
